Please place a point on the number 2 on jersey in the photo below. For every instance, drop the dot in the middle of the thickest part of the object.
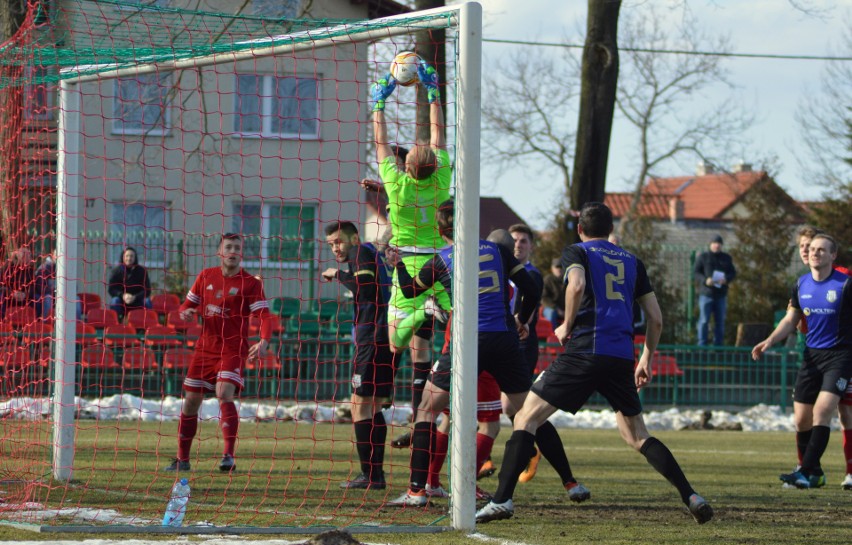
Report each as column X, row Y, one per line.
column 612, row 279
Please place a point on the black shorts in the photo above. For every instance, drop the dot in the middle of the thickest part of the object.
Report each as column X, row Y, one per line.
column 373, row 370
column 828, row 370
column 500, row 355
column 529, row 348
column 570, row 380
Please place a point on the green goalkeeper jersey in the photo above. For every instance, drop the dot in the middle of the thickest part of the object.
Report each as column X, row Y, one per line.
column 412, row 204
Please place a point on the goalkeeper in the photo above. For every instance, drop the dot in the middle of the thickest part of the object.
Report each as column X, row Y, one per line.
column 414, row 192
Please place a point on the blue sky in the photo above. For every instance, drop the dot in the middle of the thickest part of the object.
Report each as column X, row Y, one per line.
column 773, row 87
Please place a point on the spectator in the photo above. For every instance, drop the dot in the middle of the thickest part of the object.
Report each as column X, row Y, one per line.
column 45, row 286
column 552, row 295
column 18, row 280
column 715, row 271
column 129, row 285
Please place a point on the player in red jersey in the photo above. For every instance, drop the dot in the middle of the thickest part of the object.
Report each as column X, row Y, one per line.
column 224, row 296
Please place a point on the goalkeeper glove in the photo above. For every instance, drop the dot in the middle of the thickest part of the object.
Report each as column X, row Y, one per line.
column 429, row 78
column 380, row 91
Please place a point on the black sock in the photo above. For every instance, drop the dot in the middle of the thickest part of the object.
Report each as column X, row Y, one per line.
column 422, row 445
column 662, row 459
column 378, row 437
column 802, row 440
column 519, row 449
column 550, row 444
column 363, row 428
column 815, row 450
column 418, row 381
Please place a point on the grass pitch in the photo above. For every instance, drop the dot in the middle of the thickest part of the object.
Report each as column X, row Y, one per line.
column 289, row 475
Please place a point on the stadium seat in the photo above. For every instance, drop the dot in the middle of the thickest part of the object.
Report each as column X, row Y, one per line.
column 100, row 318
column 97, row 356
column 14, row 358
column 164, row 303
column 120, row 335
column 86, row 334
column 162, row 336
column 665, row 366
column 548, row 352
column 177, row 358
column 285, row 307
column 307, row 325
column 192, row 333
column 18, row 371
column 267, row 363
column 327, row 309
column 18, row 317
column 89, row 301
column 173, row 319
column 38, row 332
column 543, row 328
column 8, row 336
column 139, row 359
column 254, row 325
column 142, row 318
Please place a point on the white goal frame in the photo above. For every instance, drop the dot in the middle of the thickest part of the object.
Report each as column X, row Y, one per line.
column 468, row 18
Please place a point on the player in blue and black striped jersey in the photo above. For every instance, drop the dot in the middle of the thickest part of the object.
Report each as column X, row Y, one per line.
column 824, row 297
column 601, row 282
column 499, row 351
column 374, row 366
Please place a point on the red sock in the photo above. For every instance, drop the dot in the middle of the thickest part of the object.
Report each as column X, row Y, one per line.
column 847, row 449
column 442, row 443
column 187, row 426
column 484, row 444
column 229, row 421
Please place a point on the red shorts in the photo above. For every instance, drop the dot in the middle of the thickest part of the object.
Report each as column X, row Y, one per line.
column 206, row 369
column 488, row 405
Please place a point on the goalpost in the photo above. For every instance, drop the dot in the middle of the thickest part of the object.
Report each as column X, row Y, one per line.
column 339, row 47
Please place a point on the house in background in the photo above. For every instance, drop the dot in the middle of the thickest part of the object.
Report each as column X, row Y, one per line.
column 689, row 210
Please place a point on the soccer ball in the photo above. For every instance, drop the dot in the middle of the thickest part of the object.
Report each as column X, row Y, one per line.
column 404, row 68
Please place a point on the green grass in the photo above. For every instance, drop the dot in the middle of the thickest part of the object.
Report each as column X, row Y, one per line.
column 288, row 476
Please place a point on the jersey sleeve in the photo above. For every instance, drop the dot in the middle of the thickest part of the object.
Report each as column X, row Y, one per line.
column 530, row 290
column 390, row 175
column 794, row 296
column 444, row 173
column 643, row 283
column 193, row 297
column 259, row 306
column 573, row 256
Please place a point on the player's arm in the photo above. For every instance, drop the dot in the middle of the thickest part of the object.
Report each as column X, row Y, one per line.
column 429, row 79
column 379, row 92
column 190, row 305
column 260, row 308
column 530, row 291
column 786, row 326
column 436, row 123
column 653, row 329
column 575, row 287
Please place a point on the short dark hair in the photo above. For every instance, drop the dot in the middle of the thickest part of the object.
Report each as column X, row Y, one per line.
column 522, row 228
column 444, row 217
column 829, row 238
column 347, row 227
column 807, row 231
column 230, row 236
column 596, row 219
column 399, row 151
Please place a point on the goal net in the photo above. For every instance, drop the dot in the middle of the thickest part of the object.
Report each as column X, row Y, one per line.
column 134, row 136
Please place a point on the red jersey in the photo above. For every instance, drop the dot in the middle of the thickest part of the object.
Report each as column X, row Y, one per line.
column 224, row 305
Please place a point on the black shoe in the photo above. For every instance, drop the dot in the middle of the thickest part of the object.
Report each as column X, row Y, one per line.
column 700, row 509
column 227, row 463
column 178, row 465
column 365, row 482
column 403, row 441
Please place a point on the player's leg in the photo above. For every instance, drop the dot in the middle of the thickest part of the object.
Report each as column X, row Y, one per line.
column 705, row 307
column 200, row 378
column 804, row 423
column 229, row 422
column 434, row 489
column 824, row 410
column 720, row 305
column 845, row 412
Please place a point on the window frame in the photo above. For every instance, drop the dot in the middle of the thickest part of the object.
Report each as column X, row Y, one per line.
column 269, row 105
column 265, row 262
column 163, row 128
column 121, row 238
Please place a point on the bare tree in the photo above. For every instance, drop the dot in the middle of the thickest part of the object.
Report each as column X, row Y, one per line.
column 822, row 116
column 656, row 90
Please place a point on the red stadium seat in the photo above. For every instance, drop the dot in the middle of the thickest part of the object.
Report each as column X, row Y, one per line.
column 18, row 317
column 89, row 301
column 100, row 318
column 665, row 366
column 86, row 334
column 139, row 359
column 121, row 335
column 177, row 358
column 98, row 356
column 164, row 303
column 543, row 328
column 269, row 362
column 162, row 336
column 192, row 334
column 142, row 318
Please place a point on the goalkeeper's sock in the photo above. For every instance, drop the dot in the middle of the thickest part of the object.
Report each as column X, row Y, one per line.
column 230, row 424
column 550, row 445
column 802, row 440
column 484, row 445
column 378, row 438
column 436, row 463
column 422, row 445
column 519, row 449
column 418, row 381
column 662, row 459
column 187, row 427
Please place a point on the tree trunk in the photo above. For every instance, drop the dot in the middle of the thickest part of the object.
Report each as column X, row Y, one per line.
column 12, row 212
column 431, row 47
column 597, row 103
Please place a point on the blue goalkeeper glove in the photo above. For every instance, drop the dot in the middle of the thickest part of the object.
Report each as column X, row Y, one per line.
column 429, row 78
column 380, row 91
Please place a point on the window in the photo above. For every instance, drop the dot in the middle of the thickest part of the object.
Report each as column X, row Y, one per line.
column 141, row 225
column 276, row 234
column 140, row 104
column 38, row 93
column 284, row 107
column 279, row 9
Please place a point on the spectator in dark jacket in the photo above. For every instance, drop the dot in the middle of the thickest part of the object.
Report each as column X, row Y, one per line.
column 17, row 280
column 129, row 285
column 714, row 270
column 45, row 286
column 553, row 294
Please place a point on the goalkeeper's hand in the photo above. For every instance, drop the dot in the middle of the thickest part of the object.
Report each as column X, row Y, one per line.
column 380, row 91
column 429, row 78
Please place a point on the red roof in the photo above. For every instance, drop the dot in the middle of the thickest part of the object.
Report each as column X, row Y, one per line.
column 651, row 206
column 707, row 196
